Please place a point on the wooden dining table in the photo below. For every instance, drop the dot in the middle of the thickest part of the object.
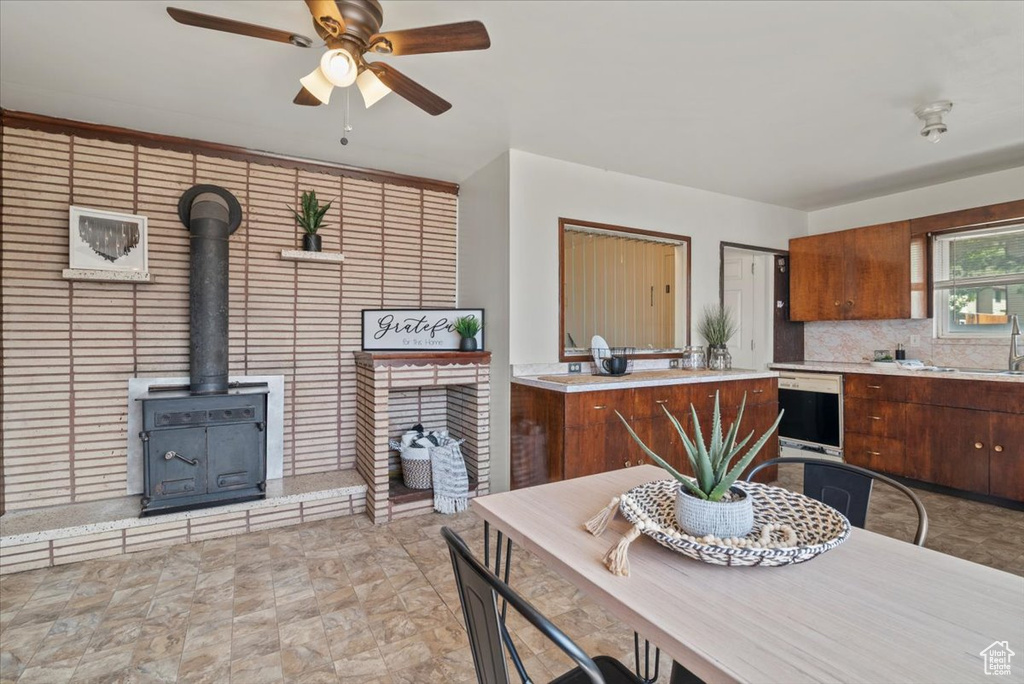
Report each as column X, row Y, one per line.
column 873, row 610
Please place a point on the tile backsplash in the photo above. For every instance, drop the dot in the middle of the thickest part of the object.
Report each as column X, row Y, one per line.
column 855, row 341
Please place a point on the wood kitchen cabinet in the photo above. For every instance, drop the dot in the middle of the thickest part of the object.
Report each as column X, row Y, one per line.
column 957, row 433
column 586, row 436
column 859, row 274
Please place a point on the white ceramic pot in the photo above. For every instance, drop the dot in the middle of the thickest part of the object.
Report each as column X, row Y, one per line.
column 722, row 519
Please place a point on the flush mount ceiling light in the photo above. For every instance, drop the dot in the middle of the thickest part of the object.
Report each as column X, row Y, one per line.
column 351, row 30
column 932, row 115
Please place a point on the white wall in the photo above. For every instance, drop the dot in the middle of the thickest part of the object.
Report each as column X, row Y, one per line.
column 484, row 283
column 977, row 191
column 543, row 189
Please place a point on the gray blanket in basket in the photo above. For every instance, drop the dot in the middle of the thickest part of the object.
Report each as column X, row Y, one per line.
column 448, row 470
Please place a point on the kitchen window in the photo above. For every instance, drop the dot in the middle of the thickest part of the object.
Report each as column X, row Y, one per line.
column 979, row 281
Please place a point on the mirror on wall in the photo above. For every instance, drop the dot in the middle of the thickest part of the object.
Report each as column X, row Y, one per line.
column 630, row 286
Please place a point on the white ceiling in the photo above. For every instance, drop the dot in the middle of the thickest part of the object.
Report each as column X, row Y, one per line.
column 800, row 104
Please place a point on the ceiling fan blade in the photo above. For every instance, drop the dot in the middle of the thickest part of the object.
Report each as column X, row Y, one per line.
column 306, row 98
column 327, row 16
column 466, row 35
column 409, row 89
column 240, row 27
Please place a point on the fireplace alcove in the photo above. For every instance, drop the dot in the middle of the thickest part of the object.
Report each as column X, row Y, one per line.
column 399, row 389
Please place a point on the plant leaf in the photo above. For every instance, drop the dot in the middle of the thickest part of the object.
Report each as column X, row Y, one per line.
column 683, row 480
column 715, row 450
column 691, row 450
column 705, row 474
column 741, row 465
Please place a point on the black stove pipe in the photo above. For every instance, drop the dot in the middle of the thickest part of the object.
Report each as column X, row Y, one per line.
column 211, row 215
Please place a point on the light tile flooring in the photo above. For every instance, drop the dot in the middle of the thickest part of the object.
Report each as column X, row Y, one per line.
column 342, row 600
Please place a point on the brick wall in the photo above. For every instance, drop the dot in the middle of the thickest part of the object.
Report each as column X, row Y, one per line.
column 70, row 347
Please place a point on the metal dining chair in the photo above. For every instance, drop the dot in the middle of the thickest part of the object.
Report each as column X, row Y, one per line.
column 479, row 590
column 847, row 488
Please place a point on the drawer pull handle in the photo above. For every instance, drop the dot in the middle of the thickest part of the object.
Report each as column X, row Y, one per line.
column 875, row 417
column 998, row 448
column 837, row 303
column 849, row 302
column 661, row 401
column 978, row 445
column 874, row 453
column 757, row 391
column 600, row 407
column 874, row 387
column 639, row 461
column 171, row 455
column 628, row 463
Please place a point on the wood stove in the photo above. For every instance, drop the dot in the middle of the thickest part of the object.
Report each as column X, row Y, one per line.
column 205, row 444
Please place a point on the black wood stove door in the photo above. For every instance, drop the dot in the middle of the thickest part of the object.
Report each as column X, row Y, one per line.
column 178, row 462
column 231, row 450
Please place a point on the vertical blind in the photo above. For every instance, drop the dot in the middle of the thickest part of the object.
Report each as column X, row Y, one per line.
column 620, row 288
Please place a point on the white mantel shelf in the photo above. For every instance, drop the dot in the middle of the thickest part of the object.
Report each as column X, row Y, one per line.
column 302, row 255
column 107, row 276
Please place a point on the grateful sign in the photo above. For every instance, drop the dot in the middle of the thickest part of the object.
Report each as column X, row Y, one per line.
column 415, row 329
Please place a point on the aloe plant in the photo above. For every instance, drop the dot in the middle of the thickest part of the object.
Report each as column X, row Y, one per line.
column 312, row 215
column 710, row 460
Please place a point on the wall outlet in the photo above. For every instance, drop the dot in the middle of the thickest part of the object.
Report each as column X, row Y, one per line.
column 576, row 367
column 673, row 363
column 915, row 340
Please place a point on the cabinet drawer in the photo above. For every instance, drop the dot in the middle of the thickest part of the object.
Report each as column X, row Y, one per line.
column 591, row 408
column 885, row 387
column 648, row 401
column 875, row 417
column 882, row 454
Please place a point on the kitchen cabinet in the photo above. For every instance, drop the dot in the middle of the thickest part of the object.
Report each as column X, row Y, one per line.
column 859, row 274
column 957, row 433
column 586, row 436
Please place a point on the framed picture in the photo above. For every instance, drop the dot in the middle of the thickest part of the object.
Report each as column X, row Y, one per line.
column 107, row 241
column 416, row 329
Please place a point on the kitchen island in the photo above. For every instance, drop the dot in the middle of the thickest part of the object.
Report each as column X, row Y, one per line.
column 568, row 425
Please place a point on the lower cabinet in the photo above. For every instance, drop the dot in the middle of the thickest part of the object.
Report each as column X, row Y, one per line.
column 558, row 435
column 962, row 434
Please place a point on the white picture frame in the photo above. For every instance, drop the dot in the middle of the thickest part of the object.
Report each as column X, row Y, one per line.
column 107, row 241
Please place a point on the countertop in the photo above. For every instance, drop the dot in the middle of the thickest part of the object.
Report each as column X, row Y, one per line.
column 830, row 367
column 579, row 382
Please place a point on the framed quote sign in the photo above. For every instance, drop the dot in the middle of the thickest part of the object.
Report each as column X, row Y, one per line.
column 416, row 329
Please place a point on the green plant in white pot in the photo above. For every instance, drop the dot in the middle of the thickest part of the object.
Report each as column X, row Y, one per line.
column 711, row 503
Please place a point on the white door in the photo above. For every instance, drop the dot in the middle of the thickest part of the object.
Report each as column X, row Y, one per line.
column 748, row 294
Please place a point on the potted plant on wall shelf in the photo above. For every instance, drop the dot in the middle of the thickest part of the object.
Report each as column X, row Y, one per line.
column 711, row 503
column 310, row 219
column 468, row 328
column 717, row 326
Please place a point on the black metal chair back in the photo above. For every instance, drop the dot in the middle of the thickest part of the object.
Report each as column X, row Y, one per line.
column 479, row 590
column 847, row 488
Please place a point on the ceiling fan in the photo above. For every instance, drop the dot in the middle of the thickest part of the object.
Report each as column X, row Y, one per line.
column 350, row 29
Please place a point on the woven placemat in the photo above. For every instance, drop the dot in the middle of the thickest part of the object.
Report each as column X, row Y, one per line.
column 651, row 509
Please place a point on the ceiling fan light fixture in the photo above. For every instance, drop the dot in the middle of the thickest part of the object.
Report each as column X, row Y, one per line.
column 318, row 85
column 371, row 87
column 931, row 114
column 339, row 67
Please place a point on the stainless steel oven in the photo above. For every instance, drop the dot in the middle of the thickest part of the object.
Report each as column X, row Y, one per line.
column 813, row 421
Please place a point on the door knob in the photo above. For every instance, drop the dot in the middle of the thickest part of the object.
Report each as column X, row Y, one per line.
column 849, row 302
column 837, row 302
column 998, row 448
column 978, row 445
column 628, row 463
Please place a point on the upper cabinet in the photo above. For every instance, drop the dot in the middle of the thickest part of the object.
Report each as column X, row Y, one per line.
column 859, row 274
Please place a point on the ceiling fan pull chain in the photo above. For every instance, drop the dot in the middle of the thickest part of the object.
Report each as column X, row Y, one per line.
column 346, row 127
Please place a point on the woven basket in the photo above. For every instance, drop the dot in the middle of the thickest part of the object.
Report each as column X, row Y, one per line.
column 416, row 467
column 819, row 528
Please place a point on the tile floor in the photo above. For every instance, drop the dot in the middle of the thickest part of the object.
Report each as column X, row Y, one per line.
column 341, row 601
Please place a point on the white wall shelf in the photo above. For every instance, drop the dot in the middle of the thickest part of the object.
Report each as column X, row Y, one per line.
column 107, row 276
column 301, row 255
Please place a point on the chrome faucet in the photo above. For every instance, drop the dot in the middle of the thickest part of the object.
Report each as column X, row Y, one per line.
column 1016, row 356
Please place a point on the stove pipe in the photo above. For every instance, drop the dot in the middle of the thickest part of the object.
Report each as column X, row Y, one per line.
column 211, row 215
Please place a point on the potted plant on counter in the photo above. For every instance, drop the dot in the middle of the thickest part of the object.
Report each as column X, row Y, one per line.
column 717, row 326
column 468, row 328
column 310, row 219
column 711, row 503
